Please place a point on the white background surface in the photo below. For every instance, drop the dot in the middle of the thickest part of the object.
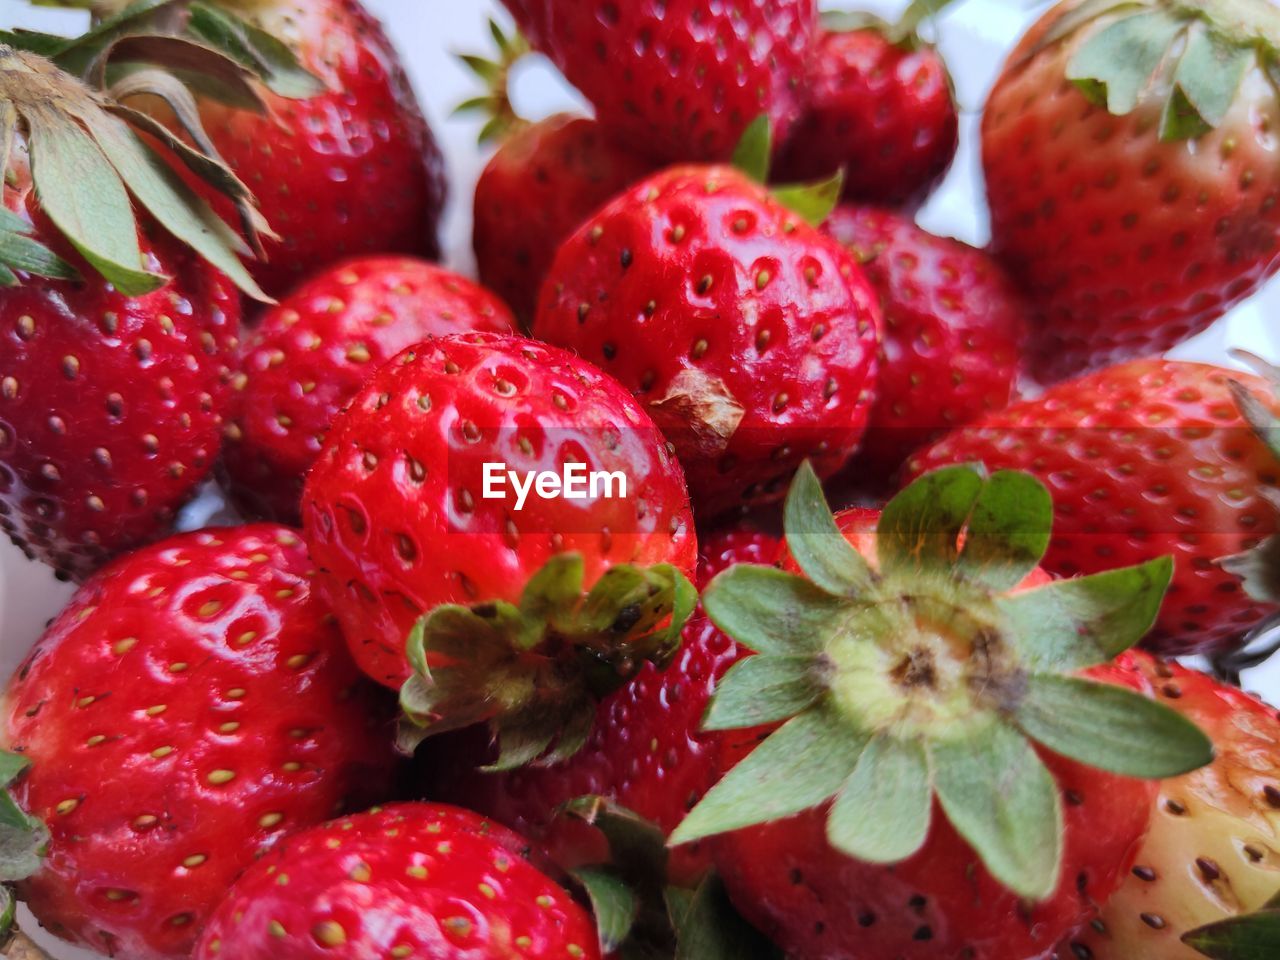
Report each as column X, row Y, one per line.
column 975, row 37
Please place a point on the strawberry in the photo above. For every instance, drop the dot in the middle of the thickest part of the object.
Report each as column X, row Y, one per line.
column 953, row 734
column 880, row 106
column 1146, row 458
column 1130, row 176
column 681, row 80
column 646, row 751
column 406, row 528
column 309, row 355
column 748, row 336
column 1210, row 854
column 408, row 880
column 191, row 705
column 953, row 326
column 117, row 327
column 544, row 181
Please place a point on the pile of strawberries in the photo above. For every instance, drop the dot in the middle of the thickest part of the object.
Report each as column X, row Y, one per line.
column 429, row 703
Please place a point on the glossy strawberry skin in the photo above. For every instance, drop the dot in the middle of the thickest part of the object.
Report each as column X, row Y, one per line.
column 1126, row 244
column 193, row 703
column 697, row 284
column 953, row 327
column 681, row 80
column 394, row 510
column 1144, row 459
column 354, row 170
column 882, row 113
column 408, row 880
column 1210, row 853
column 308, row 356
column 110, row 406
column 545, row 179
column 823, row 905
column 647, row 751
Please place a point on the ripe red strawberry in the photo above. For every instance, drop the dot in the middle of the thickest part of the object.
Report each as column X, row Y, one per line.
column 1210, row 854
column 682, row 80
column 409, row 880
column 309, row 355
column 748, row 336
column 405, row 527
column 646, row 751
column 1130, row 176
column 953, row 326
column 117, row 321
column 879, row 106
column 191, row 705
column 947, row 715
column 1146, row 458
column 350, row 170
column 543, row 182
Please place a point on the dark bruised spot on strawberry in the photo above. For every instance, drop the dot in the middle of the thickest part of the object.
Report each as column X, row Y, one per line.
column 929, row 673
column 536, row 671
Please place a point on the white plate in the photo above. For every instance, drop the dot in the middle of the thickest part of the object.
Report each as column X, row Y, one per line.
column 976, row 37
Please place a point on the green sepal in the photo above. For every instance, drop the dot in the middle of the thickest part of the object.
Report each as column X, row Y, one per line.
column 612, row 902
column 761, row 690
column 1255, row 936
column 771, row 611
column 1115, row 65
column 812, row 202
column 755, row 150
column 1070, row 625
column 270, row 60
column 494, row 104
column 920, row 528
column 710, row 928
column 23, row 839
column 1205, row 84
column 1001, row 798
column 799, row 766
column 1111, row 728
column 882, row 813
column 536, row 671
column 1008, row 531
column 1259, row 569
column 19, row 252
column 817, row 544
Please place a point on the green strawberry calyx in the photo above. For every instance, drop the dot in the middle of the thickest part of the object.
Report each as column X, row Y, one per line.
column 23, row 840
column 812, row 202
column 534, row 671
column 66, row 107
column 501, row 118
column 904, row 32
column 1255, row 936
column 1194, row 55
column 927, row 673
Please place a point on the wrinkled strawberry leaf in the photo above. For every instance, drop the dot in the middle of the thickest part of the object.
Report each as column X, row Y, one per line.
column 1115, row 65
column 882, row 813
column 770, row 611
column 763, row 689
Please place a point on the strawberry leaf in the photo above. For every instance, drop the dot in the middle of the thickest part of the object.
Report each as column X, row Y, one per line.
column 1259, row 569
column 761, row 690
column 813, row 202
column 817, row 544
column 920, row 527
column 799, row 766
column 711, row 929
column 1008, row 531
column 19, row 252
column 273, row 61
column 1207, row 78
column 1115, row 65
column 22, row 838
column 1002, row 799
column 1073, row 624
column 770, row 611
column 882, row 813
column 755, row 149
column 1111, row 728
column 614, row 905
column 1252, row 937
